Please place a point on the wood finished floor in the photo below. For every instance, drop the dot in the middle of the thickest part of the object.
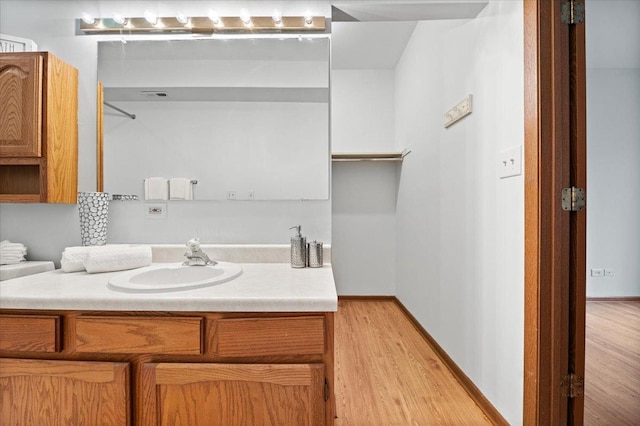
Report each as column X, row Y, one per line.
column 387, row 374
column 612, row 356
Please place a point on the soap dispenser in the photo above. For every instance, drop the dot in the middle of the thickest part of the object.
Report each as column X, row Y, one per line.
column 298, row 249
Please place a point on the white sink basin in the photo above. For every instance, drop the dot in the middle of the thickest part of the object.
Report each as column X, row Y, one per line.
column 174, row 277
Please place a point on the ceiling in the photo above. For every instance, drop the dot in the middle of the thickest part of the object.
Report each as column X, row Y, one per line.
column 373, row 34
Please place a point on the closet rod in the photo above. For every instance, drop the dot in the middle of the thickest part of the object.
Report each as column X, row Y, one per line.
column 132, row 116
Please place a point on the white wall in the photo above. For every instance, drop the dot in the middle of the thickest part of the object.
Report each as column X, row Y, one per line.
column 460, row 229
column 363, row 194
column 362, row 110
column 613, row 181
column 363, row 227
column 613, row 149
column 47, row 229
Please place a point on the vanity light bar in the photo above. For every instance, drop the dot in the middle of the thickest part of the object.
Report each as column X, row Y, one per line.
column 204, row 25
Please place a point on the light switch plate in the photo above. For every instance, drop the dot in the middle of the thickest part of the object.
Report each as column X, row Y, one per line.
column 597, row 272
column 510, row 162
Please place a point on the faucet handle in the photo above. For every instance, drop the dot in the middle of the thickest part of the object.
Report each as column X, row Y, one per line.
column 193, row 244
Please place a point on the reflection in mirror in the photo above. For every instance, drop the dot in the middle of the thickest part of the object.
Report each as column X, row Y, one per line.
column 242, row 116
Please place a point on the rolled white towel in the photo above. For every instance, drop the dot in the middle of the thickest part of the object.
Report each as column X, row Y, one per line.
column 117, row 259
column 73, row 257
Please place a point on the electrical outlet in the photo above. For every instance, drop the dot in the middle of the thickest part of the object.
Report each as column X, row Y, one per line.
column 155, row 210
column 608, row 272
column 252, row 196
column 597, row 272
column 231, row 195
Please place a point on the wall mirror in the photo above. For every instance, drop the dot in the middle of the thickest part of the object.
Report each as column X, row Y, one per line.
column 244, row 117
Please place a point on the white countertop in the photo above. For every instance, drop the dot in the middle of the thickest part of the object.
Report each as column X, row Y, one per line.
column 22, row 269
column 262, row 287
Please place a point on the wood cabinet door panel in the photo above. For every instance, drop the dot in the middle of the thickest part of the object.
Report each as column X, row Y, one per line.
column 20, row 105
column 150, row 335
column 251, row 337
column 35, row 333
column 232, row 394
column 43, row 392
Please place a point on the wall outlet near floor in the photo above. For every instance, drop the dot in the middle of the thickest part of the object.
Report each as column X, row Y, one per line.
column 608, row 272
column 231, row 195
column 155, row 210
column 597, row 272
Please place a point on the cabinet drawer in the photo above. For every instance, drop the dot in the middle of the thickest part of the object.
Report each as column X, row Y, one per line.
column 32, row 333
column 137, row 335
column 248, row 337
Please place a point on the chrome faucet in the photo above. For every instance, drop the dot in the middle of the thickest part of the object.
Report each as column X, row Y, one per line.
column 195, row 256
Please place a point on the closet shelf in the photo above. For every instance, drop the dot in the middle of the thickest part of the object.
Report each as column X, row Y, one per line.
column 370, row 156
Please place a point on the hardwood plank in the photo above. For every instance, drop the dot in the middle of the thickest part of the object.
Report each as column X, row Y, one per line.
column 386, row 373
column 612, row 376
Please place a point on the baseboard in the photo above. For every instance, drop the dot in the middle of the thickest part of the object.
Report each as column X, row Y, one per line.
column 481, row 401
column 614, row 299
column 365, row 298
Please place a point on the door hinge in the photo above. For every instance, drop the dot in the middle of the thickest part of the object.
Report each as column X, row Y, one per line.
column 326, row 390
column 572, row 12
column 573, row 199
column 572, row 386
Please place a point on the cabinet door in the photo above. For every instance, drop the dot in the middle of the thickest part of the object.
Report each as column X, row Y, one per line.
column 43, row 392
column 232, row 394
column 20, row 105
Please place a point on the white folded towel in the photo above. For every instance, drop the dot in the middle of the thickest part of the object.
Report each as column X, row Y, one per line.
column 73, row 257
column 12, row 253
column 180, row 189
column 156, row 188
column 12, row 260
column 117, row 259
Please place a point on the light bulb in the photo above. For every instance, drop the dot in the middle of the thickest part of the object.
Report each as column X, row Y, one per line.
column 88, row 19
column 308, row 18
column 215, row 18
column 182, row 18
column 119, row 18
column 245, row 17
column 150, row 17
column 277, row 18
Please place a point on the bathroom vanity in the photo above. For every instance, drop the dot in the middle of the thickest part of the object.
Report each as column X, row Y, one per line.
column 254, row 350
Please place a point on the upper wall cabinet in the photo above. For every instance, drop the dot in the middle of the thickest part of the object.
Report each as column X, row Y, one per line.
column 38, row 129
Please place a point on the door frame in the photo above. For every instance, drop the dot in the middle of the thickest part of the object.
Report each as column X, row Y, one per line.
column 555, row 240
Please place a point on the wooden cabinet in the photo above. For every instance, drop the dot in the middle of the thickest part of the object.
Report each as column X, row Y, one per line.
column 46, row 392
column 38, row 128
column 186, row 368
column 141, row 335
column 232, row 394
column 33, row 333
